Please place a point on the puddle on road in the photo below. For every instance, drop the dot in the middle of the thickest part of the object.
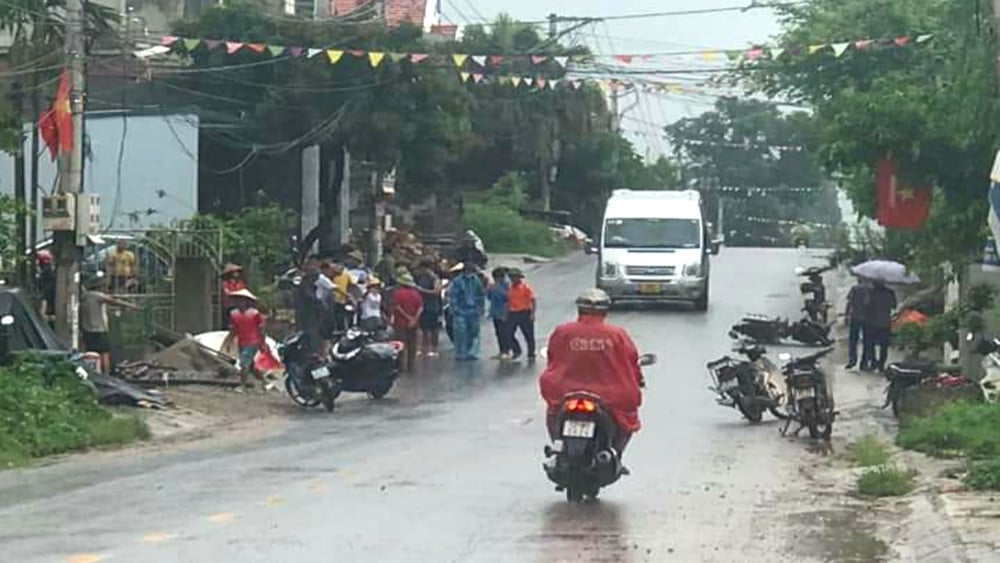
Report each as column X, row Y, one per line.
column 837, row 536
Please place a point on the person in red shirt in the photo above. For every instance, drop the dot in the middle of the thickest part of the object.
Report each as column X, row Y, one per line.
column 232, row 281
column 246, row 325
column 590, row 355
column 407, row 306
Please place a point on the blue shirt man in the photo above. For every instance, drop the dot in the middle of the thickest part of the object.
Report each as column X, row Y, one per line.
column 467, row 298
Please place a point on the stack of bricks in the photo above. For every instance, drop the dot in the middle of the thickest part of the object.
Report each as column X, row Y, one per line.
column 396, row 11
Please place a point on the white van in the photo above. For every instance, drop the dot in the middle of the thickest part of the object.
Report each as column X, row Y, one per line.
column 655, row 246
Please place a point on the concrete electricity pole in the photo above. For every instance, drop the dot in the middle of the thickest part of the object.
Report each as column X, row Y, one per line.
column 70, row 168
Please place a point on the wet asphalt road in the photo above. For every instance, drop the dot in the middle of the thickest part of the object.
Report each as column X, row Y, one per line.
column 448, row 467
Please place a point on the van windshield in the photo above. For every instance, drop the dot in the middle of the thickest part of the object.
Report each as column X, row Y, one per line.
column 652, row 233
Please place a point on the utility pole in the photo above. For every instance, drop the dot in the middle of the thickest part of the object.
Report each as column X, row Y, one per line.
column 20, row 192
column 553, row 27
column 70, row 168
column 549, row 156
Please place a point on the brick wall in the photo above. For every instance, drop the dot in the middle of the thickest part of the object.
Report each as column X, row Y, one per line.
column 396, row 11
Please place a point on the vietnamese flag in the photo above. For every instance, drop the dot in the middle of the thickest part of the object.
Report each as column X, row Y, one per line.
column 56, row 125
column 900, row 206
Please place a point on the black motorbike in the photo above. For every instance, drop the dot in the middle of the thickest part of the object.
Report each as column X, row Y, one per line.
column 760, row 329
column 583, row 460
column 909, row 374
column 360, row 362
column 748, row 385
column 814, row 292
column 810, row 401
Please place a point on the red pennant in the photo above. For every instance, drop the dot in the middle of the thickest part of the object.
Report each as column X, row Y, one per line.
column 418, row 57
column 863, row 44
column 538, row 59
column 477, row 78
column 358, row 54
column 754, row 54
column 233, row 46
column 901, row 41
column 495, row 60
column 257, row 47
column 211, row 43
column 541, row 83
column 627, row 59
column 169, row 40
column 295, row 51
column 900, row 206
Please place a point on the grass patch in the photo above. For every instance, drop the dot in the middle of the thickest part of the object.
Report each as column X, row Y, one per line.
column 984, row 475
column 886, row 481
column 954, row 430
column 46, row 409
column 869, row 451
column 503, row 230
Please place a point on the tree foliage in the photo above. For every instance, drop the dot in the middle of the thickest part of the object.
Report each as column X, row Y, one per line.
column 932, row 106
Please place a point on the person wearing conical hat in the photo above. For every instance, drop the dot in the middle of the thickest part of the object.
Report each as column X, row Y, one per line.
column 232, row 281
column 407, row 307
column 246, row 327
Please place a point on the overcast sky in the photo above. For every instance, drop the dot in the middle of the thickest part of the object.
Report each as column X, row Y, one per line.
column 720, row 31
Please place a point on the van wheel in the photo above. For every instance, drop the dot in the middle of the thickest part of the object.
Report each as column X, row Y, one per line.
column 701, row 304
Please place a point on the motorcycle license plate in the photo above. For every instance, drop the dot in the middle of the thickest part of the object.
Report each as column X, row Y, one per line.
column 578, row 429
column 650, row 288
column 320, row 373
column 807, row 393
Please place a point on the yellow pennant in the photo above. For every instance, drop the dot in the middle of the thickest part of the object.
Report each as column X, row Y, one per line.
column 516, row 80
column 710, row 55
column 459, row 59
column 334, row 55
column 375, row 59
column 464, row 76
column 813, row 49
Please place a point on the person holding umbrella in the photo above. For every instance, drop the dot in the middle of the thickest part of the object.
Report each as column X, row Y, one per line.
column 857, row 307
column 877, row 326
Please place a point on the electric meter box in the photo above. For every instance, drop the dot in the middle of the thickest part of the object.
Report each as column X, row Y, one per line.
column 80, row 213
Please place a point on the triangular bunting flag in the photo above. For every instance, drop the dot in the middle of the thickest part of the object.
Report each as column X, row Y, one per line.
column 734, row 55
column 477, row 78
column 863, row 44
column 464, row 76
column 332, row 54
column 541, row 82
column 754, row 54
column 840, row 48
column 495, row 60
column 777, row 52
column 479, row 60
column 358, row 53
column 396, row 57
column 375, row 58
column 504, row 80
column 275, row 50
column 528, row 80
column 191, row 44
column 901, row 41
column 515, row 80
column 169, row 40
column 554, row 82
column 418, row 57
column 257, row 47
column 924, row 38
column 459, row 60
column 675, row 88
column 813, row 49
column 538, row 59
column 710, row 55
column 627, row 59
column 233, row 46
column 576, row 84
column 561, row 61
column 296, row 51
column 211, row 43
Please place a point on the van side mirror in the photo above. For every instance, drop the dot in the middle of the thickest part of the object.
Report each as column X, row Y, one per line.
column 715, row 247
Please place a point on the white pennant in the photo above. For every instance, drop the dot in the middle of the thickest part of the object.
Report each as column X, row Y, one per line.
column 840, row 48
column 529, row 81
column 553, row 83
column 924, row 38
column 777, row 52
column 561, row 61
column 313, row 52
column 479, row 59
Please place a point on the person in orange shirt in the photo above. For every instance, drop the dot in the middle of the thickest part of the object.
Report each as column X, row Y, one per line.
column 521, row 305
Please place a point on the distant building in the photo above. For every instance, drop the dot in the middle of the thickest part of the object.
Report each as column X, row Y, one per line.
column 395, row 12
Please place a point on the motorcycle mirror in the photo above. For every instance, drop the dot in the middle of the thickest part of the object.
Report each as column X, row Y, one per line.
column 969, row 337
column 785, row 357
column 647, row 360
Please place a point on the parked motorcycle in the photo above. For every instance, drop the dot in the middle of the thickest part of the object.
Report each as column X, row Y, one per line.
column 814, row 292
column 360, row 362
column 760, row 329
column 810, row 400
column 750, row 385
column 583, row 461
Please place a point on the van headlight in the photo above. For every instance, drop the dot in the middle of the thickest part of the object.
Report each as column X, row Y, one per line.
column 692, row 270
column 610, row 269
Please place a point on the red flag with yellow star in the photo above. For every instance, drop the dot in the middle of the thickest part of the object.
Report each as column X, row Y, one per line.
column 56, row 125
column 900, row 206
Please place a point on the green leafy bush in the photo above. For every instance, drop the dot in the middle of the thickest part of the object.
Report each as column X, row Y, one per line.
column 46, row 409
column 869, row 451
column 886, row 481
column 955, row 429
column 984, row 475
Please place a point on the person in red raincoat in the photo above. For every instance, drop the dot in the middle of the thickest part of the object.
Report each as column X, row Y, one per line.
column 593, row 356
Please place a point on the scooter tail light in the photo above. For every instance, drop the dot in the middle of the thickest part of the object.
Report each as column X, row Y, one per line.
column 581, row 405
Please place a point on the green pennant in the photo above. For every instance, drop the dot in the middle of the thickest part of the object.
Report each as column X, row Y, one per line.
column 191, row 44
column 276, row 50
column 734, row 55
column 396, row 57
